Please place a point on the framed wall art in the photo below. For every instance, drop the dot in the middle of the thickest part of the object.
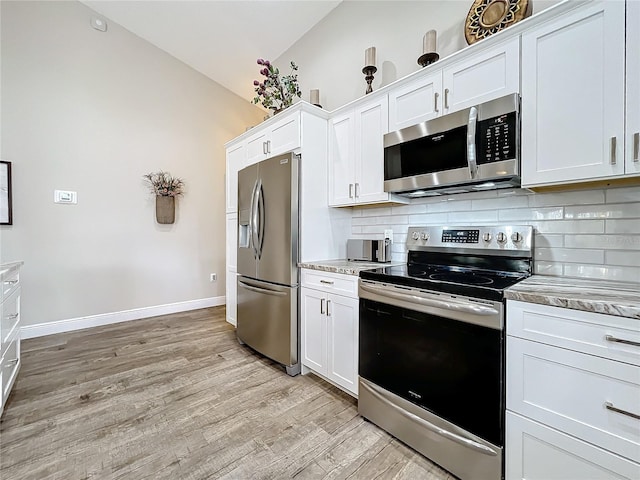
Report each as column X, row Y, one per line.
column 5, row 193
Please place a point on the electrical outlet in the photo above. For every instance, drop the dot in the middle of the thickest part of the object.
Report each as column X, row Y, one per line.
column 213, row 277
column 388, row 235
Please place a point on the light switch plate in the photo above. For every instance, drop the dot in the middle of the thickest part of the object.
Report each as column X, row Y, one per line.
column 388, row 235
column 65, row 196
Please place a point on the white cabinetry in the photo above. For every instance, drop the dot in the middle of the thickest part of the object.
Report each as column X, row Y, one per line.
column 236, row 161
column 572, row 393
column 329, row 327
column 279, row 137
column 231, row 268
column 573, row 96
column 9, row 329
column 632, row 147
column 484, row 75
column 356, row 164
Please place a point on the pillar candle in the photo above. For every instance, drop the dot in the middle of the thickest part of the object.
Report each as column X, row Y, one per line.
column 314, row 97
column 429, row 42
column 370, row 57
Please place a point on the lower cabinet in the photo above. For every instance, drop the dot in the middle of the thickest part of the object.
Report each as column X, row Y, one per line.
column 329, row 336
column 10, row 322
column 573, row 394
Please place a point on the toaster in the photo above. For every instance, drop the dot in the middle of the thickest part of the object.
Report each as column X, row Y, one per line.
column 369, row 250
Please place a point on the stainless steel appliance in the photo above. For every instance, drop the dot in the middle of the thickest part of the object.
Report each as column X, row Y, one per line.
column 474, row 149
column 369, row 250
column 432, row 351
column 267, row 317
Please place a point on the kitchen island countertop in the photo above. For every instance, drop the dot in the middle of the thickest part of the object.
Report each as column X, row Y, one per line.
column 345, row 266
column 590, row 295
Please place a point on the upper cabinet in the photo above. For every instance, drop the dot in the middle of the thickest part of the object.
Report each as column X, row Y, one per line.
column 236, row 161
column 280, row 137
column 356, row 163
column 573, row 96
column 487, row 74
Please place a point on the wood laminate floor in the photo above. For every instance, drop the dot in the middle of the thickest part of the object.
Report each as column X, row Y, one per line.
column 176, row 397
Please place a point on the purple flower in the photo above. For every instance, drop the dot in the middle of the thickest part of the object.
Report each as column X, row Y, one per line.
column 256, row 83
column 260, row 61
column 267, row 63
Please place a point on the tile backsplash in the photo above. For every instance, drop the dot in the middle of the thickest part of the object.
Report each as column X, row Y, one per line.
column 586, row 233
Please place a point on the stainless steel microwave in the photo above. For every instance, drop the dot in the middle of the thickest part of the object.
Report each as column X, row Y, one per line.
column 473, row 149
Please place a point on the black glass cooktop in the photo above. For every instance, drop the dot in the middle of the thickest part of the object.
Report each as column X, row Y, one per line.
column 458, row 275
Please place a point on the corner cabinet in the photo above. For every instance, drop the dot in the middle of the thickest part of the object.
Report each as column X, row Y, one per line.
column 574, row 127
column 10, row 321
column 356, row 155
column 573, row 391
column 329, row 327
column 487, row 74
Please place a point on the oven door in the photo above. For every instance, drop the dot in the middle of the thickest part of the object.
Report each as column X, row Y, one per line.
column 431, row 369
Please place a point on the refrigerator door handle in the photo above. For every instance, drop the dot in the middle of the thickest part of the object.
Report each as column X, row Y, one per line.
column 266, row 291
column 254, row 217
column 261, row 219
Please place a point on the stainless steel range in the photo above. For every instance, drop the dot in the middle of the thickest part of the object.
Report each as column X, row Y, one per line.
column 432, row 351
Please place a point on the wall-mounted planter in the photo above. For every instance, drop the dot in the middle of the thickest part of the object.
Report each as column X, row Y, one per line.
column 165, row 209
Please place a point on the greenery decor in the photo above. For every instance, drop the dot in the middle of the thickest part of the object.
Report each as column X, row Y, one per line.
column 273, row 92
column 165, row 185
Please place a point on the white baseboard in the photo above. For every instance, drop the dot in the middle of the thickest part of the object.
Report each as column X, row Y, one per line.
column 71, row 324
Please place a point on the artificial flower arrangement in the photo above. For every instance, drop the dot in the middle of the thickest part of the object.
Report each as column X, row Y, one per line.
column 273, row 92
column 164, row 184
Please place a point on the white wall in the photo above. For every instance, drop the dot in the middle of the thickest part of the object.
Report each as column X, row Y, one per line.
column 92, row 112
column 331, row 55
column 586, row 233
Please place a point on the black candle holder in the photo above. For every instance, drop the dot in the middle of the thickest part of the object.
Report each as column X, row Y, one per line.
column 428, row 58
column 368, row 76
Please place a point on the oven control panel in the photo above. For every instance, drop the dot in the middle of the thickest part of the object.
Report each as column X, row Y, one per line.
column 514, row 239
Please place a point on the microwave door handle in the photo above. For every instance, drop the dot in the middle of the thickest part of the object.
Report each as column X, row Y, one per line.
column 471, row 142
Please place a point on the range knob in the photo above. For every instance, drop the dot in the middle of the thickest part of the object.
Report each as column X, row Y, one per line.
column 486, row 237
column 415, row 235
column 516, row 237
column 424, row 236
column 501, row 237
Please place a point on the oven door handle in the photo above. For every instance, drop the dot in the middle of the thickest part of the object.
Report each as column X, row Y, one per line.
column 467, row 442
column 458, row 307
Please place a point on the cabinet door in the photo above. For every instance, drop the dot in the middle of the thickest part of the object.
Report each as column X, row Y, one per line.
column 232, row 242
column 235, row 161
column 573, row 96
column 341, row 161
column 485, row 76
column 536, row 452
column 342, row 319
column 257, row 147
column 232, row 297
column 284, row 135
column 632, row 149
column 371, row 123
column 415, row 102
column 313, row 329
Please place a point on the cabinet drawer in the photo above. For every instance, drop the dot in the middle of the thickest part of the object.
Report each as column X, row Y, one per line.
column 9, row 284
column 587, row 332
column 330, row 282
column 10, row 364
column 570, row 391
column 536, row 452
column 10, row 312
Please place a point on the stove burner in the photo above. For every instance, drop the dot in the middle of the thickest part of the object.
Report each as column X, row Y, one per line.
column 465, row 278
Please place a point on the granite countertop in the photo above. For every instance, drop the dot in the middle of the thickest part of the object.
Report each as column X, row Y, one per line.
column 590, row 295
column 345, row 266
column 7, row 269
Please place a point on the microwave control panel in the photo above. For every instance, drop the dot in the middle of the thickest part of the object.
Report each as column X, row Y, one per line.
column 496, row 138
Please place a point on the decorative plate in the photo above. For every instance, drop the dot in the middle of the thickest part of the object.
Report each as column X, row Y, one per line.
column 487, row 17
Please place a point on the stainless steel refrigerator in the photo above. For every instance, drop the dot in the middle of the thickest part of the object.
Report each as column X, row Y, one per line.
column 267, row 317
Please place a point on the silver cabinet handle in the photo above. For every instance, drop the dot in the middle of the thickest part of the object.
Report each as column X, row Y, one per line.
column 610, row 406
column 351, row 190
column 612, row 144
column 326, row 282
column 264, row 148
column 268, row 146
column 357, row 189
column 10, row 282
column 435, row 102
column 328, row 312
column 11, row 363
column 12, row 317
column 446, row 98
column 610, row 338
column 467, row 442
column 636, row 147
column 322, row 306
